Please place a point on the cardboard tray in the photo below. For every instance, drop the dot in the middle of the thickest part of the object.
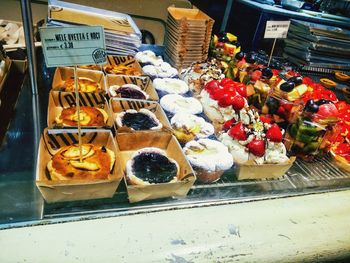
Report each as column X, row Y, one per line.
column 250, row 170
column 119, row 105
column 129, row 143
column 67, row 99
column 191, row 16
column 128, row 61
column 59, row 191
column 54, row 110
column 144, row 82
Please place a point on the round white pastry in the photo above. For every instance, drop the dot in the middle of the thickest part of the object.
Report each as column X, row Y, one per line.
column 147, row 112
column 137, row 181
column 169, row 85
column 163, row 70
column 237, row 150
column 175, row 103
column 113, row 89
column 209, row 155
column 148, row 57
column 190, row 122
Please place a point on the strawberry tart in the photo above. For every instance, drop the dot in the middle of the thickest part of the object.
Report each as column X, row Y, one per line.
column 223, row 100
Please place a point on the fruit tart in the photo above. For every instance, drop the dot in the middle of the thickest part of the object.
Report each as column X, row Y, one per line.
column 221, row 100
column 187, row 127
column 310, row 134
column 89, row 116
column 96, row 163
column 85, row 85
column 209, row 159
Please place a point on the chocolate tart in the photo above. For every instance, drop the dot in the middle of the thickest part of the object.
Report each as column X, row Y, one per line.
column 151, row 166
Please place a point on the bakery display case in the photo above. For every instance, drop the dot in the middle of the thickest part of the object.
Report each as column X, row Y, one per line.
column 172, row 151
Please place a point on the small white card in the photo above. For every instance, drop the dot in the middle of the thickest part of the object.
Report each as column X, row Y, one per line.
column 276, row 29
column 73, row 45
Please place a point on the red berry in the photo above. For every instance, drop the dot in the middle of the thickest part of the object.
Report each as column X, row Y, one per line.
column 217, row 94
column 226, row 100
column 224, row 81
column 274, row 133
column 230, row 87
column 212, row 85
column 227, row 125
column 241, row 89
column 237, row 132
column 275, row 72
column 265, row 119
column 257, row 147
column 238, row 102
column 256, row 75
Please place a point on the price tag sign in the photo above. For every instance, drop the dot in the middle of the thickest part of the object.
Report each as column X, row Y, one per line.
column 276, row 29
column 73, row 45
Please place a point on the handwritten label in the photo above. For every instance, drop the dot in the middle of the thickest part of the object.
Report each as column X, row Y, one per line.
column 73, row 45
column 276, row 29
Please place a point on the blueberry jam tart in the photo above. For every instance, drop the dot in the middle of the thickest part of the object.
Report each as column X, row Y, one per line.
column 151, row 166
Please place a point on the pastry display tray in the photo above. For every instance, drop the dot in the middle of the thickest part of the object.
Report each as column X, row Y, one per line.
column 22, row 205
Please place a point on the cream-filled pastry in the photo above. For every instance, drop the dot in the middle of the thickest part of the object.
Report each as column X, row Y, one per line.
column 187, row 127
column 175, row 103
column 209, row 158
column 169, row 85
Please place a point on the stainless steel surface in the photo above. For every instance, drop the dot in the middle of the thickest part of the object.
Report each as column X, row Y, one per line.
column 29, row 40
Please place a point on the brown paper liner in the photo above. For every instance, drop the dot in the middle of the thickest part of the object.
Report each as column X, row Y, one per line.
column 205, row 176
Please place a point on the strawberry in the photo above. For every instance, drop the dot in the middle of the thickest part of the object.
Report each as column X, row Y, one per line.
column 238, row 102
column 274, row 133
column 226, row 99
column 212, row 85
column 228, row 124
column 257, row 147
column 216, row 94
column 241, row 89
column 224, row 81
column 230, row 87
column 237, row 132
column 256, row 75
column 275, row 71
column 265, row 119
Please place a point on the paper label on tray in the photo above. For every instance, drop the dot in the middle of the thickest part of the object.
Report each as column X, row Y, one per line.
column 67, row 99
column 74, row 45
column 276, row 29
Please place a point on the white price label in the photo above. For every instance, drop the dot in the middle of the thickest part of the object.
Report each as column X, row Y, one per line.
column 276, row 29
column 73, row 45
